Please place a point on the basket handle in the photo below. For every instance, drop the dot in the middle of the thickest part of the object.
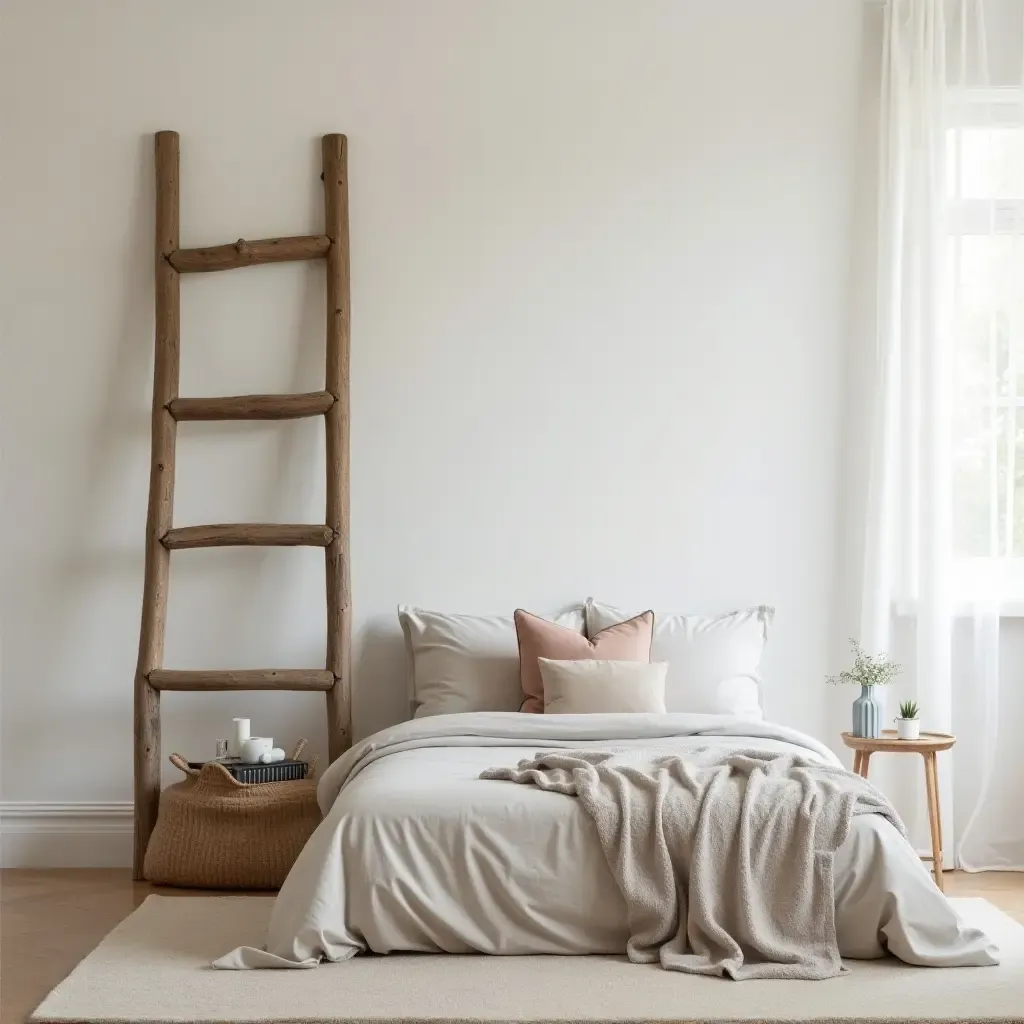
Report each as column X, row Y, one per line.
column 215, row 775
column 179, row 762
column 297, row 753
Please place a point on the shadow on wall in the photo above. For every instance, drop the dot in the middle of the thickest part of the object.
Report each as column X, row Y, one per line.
column 294, row 470
column 381, row 694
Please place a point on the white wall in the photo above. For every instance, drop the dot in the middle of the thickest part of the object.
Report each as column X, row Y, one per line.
column 600, row 264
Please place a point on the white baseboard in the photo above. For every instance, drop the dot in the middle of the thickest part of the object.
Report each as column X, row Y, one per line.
column 36, row 834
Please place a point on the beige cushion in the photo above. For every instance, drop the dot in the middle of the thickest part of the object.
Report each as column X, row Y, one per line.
column 538, row 638
column 592, row 687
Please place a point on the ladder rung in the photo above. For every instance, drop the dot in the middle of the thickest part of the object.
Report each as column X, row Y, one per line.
column 252, row 407
column 245, row 679
column 225, row 535
column 248, row 254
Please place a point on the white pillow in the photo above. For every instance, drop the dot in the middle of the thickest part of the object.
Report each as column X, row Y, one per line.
column 465, row 662
column 713, row 660
column 592, row 687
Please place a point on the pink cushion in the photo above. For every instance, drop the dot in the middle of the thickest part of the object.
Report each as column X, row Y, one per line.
column 539, row 638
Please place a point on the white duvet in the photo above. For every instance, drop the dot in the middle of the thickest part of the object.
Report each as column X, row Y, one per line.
column 417, row 853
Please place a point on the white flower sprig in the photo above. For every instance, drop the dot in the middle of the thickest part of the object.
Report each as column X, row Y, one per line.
column 868, row 669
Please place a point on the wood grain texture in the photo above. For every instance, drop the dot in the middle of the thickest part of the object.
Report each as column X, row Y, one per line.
column 339, row 609
column 228, row 535
column 248, row 254
column 929, row 745
column 890, row 743
column 252, row 407
column 191, row 680
column 931, row 780
column 167, row 339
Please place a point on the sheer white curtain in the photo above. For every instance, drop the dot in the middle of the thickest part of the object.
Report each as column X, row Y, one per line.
column 945, row 529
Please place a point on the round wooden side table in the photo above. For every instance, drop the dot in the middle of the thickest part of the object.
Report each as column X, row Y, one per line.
column 929, row 744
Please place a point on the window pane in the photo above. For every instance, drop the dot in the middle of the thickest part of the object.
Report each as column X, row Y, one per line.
column 977, row 489
column 987, row 319
column 986, row 163
column 985, row 182
column 1018, row 487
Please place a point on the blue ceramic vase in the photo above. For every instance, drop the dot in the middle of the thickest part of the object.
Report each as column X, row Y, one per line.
column 867, row 715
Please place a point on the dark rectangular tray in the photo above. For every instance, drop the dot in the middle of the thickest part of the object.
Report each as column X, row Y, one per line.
column 279, row 771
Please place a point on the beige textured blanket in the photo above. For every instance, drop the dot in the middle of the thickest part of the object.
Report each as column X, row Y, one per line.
column 724, row 859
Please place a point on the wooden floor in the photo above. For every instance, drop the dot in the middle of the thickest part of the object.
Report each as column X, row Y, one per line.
column 49, row 920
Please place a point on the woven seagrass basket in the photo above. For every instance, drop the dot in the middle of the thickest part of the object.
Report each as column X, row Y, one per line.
column 213, row 832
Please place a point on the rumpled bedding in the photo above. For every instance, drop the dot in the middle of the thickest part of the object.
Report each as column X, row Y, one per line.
column 723, row 858
column 417, row 853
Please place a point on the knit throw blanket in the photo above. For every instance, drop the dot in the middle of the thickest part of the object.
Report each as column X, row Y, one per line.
column 724, row 859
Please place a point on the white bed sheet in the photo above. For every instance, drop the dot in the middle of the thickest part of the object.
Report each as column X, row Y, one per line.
column 416, row 853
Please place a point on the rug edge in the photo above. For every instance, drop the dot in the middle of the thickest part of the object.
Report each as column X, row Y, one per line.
column 151, row 898
column 538, row 1020
column 38, row 1017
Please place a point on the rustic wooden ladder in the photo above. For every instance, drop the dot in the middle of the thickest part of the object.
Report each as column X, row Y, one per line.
column 169, row 409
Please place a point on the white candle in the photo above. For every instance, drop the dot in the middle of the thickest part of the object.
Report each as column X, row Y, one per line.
column 240, row 733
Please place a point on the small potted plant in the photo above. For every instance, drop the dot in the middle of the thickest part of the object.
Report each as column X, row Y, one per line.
column 908, row 726
column 869, row 671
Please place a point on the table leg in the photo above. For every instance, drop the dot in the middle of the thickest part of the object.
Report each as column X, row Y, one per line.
column 856, row 762
column 865, row 761
column 931, row 778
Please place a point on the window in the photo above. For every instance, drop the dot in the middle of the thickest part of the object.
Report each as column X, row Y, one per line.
column 985, row 310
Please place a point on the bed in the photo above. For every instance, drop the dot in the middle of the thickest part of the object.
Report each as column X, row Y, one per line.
column 417, row 853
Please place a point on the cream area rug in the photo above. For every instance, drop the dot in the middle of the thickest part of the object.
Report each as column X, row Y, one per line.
column 154, row 968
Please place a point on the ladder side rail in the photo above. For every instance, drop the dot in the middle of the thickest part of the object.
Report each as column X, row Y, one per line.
column 339, row 610
column 159, row 517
